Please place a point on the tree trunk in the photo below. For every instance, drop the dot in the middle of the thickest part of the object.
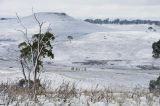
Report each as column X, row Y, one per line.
column 34, row 85
column 25, row 78
column 29, row 79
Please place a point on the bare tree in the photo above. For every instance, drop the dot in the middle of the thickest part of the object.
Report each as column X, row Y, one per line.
column 34, row 50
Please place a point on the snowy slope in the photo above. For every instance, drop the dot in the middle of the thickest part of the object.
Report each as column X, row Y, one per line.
column 61, row 24
column 119, row 49
column 114, row 46
column 96, row 48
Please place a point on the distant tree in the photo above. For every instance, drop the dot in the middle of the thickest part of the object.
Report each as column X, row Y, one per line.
column 150, row 28
column 70, row 38
column 124, row 21
column 106, row 21
column 116, row 21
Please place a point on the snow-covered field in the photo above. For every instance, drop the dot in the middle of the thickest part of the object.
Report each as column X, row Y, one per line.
column 124, row 51
column 115, row 56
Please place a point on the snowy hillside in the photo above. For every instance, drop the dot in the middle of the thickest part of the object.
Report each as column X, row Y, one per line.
column 95, row 48
column 60, row 23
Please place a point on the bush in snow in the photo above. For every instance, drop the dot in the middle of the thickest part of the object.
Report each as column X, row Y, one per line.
column 70, row 38
column 23, row 83
column 154, row 85
column 150, row 28
column 156, row 49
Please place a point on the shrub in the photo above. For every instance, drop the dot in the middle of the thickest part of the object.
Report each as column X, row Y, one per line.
column 23, row 83
column 154, row 85
column 156, row 49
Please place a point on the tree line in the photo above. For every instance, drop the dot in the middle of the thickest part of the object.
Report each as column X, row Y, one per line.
column 122, row 21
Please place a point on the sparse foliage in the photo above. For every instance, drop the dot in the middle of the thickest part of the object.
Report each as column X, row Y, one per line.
column 32, row 52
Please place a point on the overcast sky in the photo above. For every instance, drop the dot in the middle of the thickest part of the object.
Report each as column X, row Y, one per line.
column 149, row 9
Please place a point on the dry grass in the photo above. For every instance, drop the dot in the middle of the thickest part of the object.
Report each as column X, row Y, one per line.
column 66, row 93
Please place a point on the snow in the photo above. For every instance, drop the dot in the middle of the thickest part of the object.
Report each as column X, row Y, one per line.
column 95, row 47
column 116, row 56
column 120, row 47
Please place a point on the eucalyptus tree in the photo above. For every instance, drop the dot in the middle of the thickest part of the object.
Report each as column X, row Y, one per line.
column 33, row 51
